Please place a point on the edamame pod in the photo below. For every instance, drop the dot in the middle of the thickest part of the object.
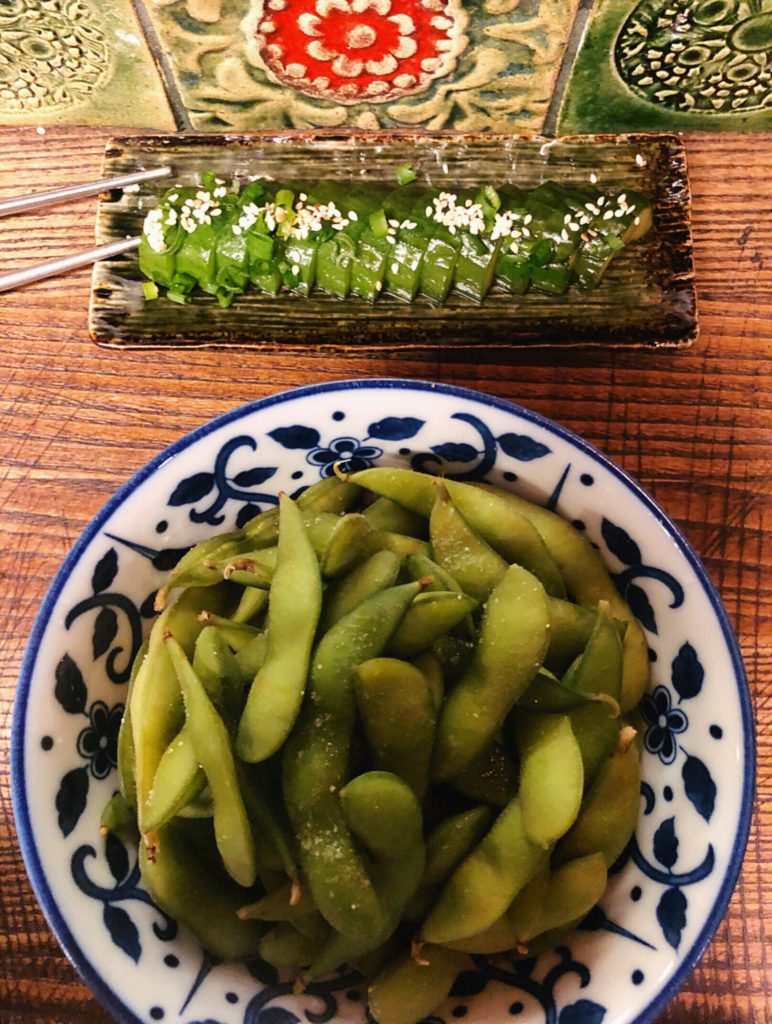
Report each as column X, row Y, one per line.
column 507, row 532
column 126, row 756
column 385, row 514
column 491, row 777
column 251, row 606
column 600, row 668
column 348, row 542
column 512, row 642
column 399, row 543
column 286, row 946
column 546, row 693
column 156, row 703
column 191, row 568
column 570, row 628
column 279, row 906
column 118, row 817
column 596, row 727
column 430, row 616
column 376, row 573
column 487, row 881
column 406, row 992
column 236, row 634
column 551, row 776
column 430, row 666
column 178, row 780
column 199, row 896
column 473, row 563
column 212, row 749
column 327, row 495
column 419, row 567
column 294, row 607
column 397, row 712
column 572, row 891
column 267, row 815
column 316, row 757
column 517, row 924
column 412, row 490
column 251, row 657
column 588, row 581
column 384, row 815
column 609, row 813
column 217, row 668
column 448, row 844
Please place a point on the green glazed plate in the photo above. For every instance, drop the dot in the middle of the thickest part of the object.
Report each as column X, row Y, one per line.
column 646, row 298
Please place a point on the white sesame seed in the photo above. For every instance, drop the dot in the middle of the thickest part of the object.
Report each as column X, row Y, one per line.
column 395, row 268
column 622, row 198
column 295, row 268
column 567, row 219
column 131, row 188
column 608, row 214
column 637, row 221
column 236, row 229
column 527, row 219
column 573, row 225
column 378, row 285
column 353, row 215
column 601, row 200
column 429, row 211
column 173, row 197
column 640, row 160
column 393, row 223
column 593, row 178
column 444, row 168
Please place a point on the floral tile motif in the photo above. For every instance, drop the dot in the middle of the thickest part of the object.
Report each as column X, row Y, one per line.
column 439, row 64
column 73, row 62
column 673, row 64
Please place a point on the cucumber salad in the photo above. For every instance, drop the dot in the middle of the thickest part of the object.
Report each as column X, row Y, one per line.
column 370, row 239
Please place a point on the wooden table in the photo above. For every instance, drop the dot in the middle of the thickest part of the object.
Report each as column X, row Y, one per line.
column 694, row 427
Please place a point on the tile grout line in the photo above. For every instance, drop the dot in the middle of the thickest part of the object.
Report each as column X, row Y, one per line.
column 163, row 63
column 573, row 45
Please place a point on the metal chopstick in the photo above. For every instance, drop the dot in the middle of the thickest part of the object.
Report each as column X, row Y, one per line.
column 18, row 278
column 21, row 204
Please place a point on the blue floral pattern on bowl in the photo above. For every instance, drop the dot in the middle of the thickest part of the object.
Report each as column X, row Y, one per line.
column 668, row 889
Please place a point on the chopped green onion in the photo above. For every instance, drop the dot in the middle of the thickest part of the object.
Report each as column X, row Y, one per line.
column 614, row 242
column 491, row 197
column 405, row 174
column 285, row 198
column 378, row 223
column 150, row 289
column 178, row 297
column 251, row 192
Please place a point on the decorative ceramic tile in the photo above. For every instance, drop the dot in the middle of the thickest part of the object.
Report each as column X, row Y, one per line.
column 677, row 64
column 439, row 64
column 72, row 62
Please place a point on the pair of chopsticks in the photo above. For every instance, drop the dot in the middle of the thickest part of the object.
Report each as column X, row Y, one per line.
column 23, row 204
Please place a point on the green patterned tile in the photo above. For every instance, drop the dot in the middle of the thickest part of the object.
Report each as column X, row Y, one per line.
column 439, row 64
column 73, row 62
column 683, row 65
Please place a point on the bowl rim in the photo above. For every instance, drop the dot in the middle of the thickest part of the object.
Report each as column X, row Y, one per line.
column 69, row 944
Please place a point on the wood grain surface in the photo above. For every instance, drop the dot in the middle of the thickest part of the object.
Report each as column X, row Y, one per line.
column 693, row 426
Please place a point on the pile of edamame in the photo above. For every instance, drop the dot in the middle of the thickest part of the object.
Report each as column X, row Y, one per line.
column 388, row 724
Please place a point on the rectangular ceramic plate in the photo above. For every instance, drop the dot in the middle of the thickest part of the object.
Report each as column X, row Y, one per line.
column 646, row 297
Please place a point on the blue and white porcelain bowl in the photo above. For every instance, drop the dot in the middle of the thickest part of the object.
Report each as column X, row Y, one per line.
column 662, row 904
